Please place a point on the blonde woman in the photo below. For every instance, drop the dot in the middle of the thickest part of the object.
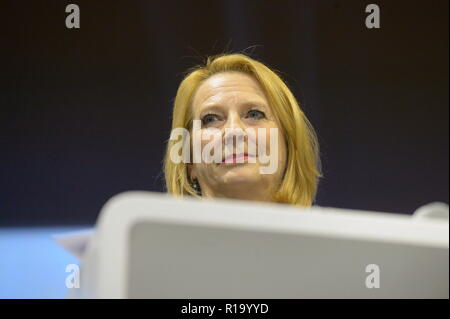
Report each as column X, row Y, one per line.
column 234, row 92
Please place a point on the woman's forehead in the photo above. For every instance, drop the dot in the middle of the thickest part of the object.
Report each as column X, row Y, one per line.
column 229, row 85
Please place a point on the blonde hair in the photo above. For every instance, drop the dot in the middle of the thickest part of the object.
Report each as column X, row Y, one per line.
column 303, row 165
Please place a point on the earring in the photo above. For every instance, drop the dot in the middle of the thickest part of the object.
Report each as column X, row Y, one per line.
column 196, row 186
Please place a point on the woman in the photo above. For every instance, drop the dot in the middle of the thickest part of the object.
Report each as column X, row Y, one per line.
column 235, row 92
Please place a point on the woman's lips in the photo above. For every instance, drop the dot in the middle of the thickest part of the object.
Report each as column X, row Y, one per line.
column 237, row 158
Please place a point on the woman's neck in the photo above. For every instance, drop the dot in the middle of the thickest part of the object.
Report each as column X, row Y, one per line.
column 244, row 192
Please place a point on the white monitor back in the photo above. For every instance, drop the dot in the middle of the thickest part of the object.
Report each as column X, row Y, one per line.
column 151, row 245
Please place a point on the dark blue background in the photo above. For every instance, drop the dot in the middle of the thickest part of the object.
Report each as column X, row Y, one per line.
column 85, row 113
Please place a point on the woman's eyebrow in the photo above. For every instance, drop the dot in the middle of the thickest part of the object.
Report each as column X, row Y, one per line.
column 245, row 103
column 209, row 107
column 256, row 103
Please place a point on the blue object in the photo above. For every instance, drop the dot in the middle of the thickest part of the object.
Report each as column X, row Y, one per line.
column 32, row 264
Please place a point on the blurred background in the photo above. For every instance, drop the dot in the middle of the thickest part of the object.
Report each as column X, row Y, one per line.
column 85, row 113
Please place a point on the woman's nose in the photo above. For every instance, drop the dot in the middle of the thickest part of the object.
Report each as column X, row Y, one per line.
column 234, row 122
column 233, row 128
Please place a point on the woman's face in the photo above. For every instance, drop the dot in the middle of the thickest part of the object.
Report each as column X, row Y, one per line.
column 230, row 102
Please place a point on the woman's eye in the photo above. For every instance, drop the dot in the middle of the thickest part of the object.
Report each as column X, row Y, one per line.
column 256, row 115
column 208, row 119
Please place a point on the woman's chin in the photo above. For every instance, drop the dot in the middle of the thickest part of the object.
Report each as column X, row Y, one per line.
column 241, row 174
